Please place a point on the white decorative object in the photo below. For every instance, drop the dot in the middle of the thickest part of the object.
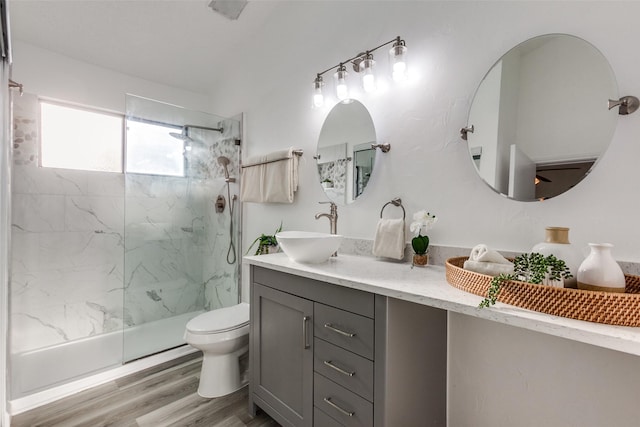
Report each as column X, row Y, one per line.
column 557, row 244
column 307, row 246
column 599, row 271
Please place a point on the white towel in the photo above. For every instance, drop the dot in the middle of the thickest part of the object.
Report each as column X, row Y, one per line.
column 271, row 178
column 389, row 241
column 482, row 253
column 488, row 268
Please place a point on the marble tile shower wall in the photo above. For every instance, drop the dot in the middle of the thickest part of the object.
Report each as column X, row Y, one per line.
column 73, row 256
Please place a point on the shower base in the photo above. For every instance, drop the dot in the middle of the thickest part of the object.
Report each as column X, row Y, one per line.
column 47, row 374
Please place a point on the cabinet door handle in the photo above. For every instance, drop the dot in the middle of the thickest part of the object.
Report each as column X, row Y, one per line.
column 339, row 331
column 305, row 328
column 343, row 411
column 339, row 369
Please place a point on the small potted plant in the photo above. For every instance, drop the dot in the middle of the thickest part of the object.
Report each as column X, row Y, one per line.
column 267, row 244
column 532, row 268
column 422, row 222
column 327, row 183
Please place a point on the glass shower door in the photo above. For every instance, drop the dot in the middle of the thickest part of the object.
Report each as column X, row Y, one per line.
column 176, row 242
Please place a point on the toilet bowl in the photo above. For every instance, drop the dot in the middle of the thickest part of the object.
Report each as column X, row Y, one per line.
column 223, row 337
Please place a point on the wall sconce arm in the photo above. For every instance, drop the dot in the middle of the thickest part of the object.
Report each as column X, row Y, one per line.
column 383, row 147
column 626, row 104
column 465, row 130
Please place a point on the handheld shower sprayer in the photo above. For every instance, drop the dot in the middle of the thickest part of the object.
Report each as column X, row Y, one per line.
column 224, row 162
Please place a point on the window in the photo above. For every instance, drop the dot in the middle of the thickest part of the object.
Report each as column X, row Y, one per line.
column 152, row 150
column 77, row 138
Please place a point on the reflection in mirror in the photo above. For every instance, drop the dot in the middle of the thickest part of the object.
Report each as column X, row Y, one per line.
column 344, row 154
column 540, row 117
column 363, row 158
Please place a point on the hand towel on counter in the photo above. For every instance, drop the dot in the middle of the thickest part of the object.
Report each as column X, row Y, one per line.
column 482, row 253
column 271, row 178
column 486, row 261
column 389, row 241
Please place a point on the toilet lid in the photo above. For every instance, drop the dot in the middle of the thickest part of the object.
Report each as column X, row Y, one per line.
column 220, row 320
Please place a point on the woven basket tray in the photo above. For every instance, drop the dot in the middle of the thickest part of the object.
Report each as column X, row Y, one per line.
column 621, row 309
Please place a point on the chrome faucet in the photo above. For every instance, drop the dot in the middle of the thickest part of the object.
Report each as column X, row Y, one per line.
column 332, row 215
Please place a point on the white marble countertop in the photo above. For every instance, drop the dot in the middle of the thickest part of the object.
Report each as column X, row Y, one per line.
column 428, row 286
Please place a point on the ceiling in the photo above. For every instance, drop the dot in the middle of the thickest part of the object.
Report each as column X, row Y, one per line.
column 180, row 43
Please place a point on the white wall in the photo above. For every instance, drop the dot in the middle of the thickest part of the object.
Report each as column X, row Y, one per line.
column 56, row 76
column 451, row 47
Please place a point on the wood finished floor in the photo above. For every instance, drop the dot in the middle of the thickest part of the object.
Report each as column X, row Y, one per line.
column 161, row 396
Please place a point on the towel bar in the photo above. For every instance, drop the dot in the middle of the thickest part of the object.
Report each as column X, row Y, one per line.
column 395, row 202
column 298, row 153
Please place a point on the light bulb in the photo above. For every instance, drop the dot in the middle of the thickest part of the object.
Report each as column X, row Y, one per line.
column 398, row 60
column 368, row 78
column 318, row 97
column 318, row 100
column 342, row 90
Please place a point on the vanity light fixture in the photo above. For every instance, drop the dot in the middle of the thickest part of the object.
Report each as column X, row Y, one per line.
column 398, row 59
column 342, row 89
column 318, row 97
column 363, row 63
column 368, row 78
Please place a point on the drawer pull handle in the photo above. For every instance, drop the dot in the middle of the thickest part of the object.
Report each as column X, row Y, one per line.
column 305, row 339
column 333, row 405
column 339, row 369
column 339, row 331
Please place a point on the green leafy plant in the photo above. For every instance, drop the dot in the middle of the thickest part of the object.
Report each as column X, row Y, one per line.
column 532, row 268
column 264, row 242
column 422, row 221
column 420, row 244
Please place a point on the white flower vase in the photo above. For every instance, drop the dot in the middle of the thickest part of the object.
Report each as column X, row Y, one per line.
column 556, row 243
column 599, row 271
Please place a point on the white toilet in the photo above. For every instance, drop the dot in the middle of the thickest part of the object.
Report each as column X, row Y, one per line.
column 223, row 337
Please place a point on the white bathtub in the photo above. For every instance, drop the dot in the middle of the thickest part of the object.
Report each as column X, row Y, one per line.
column 38, row 370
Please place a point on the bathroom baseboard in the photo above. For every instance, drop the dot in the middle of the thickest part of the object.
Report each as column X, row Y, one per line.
column 44, row 397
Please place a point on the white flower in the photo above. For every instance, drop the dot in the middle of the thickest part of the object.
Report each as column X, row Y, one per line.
column 422, row 221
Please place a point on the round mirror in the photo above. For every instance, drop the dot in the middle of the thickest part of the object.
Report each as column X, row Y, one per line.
column 344, row 154
column 540, row 118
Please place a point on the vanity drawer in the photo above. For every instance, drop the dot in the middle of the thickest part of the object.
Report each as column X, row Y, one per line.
column 346, row 407
column 351, row 371
column 344, row 329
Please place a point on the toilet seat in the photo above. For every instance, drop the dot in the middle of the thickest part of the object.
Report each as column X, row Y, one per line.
column 220, row 320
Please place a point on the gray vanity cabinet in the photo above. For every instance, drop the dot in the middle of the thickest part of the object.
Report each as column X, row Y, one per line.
column 282, row 371
column 325, row 355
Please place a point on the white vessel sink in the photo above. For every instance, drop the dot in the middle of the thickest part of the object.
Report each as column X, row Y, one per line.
column 307, row 246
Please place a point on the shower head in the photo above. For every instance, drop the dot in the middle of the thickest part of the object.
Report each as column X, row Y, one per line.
column 224, row 162
column 181, row 136
column 184, row 136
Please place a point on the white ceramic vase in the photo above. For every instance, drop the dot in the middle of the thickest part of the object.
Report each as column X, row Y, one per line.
column 599, row 271
column 556, row 243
